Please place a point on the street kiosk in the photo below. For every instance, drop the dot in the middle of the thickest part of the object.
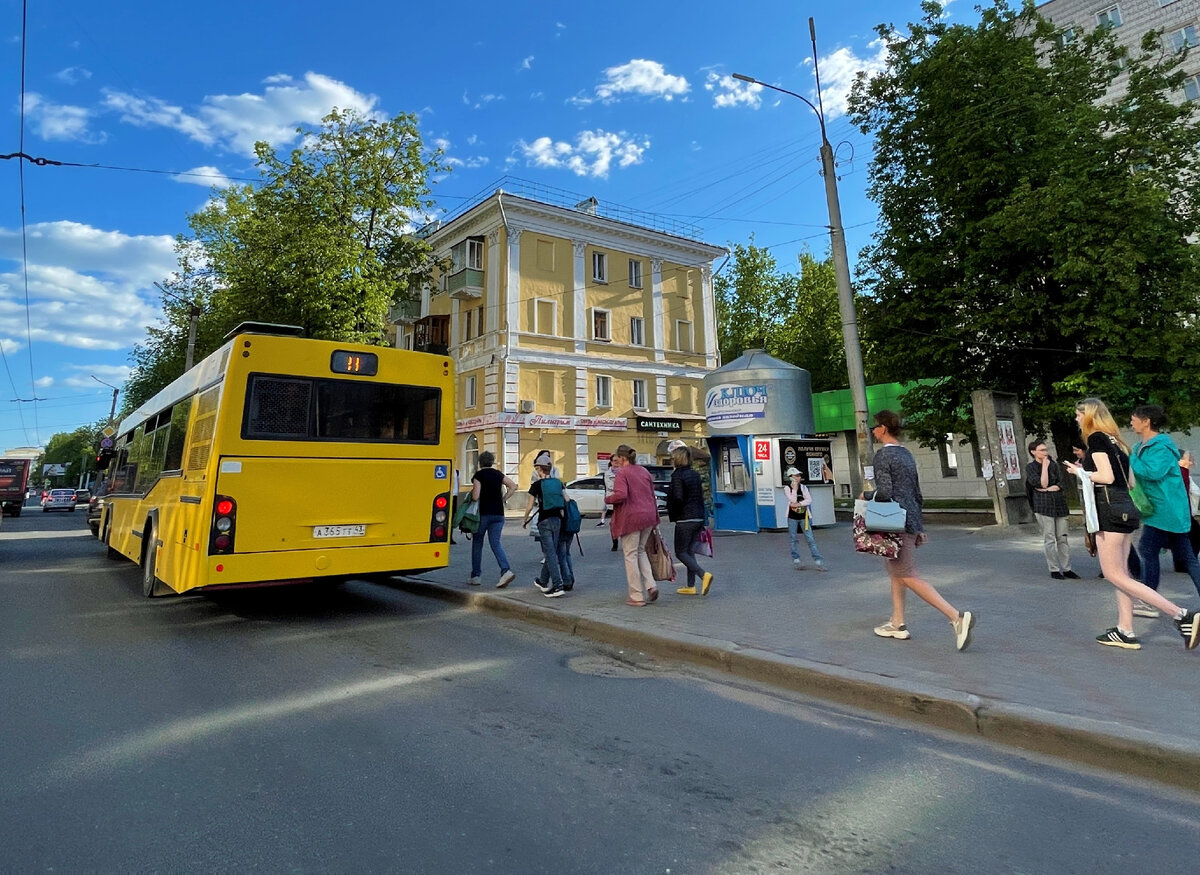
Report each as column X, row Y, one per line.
column 760, row 423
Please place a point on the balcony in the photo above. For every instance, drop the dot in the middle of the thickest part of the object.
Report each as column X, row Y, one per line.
column 466, row 284
column 405, row 312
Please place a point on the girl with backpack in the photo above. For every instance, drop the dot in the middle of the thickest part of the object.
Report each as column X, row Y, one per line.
column 547, row 493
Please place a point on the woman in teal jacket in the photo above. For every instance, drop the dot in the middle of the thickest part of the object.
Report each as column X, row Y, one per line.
column 1154, row 461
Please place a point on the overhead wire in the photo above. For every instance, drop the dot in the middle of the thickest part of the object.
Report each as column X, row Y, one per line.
column 24, row 248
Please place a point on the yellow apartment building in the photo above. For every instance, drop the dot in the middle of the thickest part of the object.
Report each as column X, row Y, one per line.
column 571, row 331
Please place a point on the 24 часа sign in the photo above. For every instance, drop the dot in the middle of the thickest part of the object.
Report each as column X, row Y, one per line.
column 730, row 405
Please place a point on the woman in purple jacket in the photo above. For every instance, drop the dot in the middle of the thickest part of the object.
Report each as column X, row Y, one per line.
column 635, row 514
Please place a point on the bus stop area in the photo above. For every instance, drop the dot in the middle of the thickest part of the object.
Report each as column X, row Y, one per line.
column 1033, row 676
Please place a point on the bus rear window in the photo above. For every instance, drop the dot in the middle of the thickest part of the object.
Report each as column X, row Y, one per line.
column 302, row 408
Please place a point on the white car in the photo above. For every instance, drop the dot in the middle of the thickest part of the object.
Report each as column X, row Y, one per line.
column 59, row 499
column 588, row 493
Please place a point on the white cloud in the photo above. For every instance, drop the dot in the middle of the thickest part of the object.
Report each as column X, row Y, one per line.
column 43, row 382
column 205, row 175
column 527, row 63
column 84, row 284
column 592, row 153
column 640, row 76
column 82, row 376
column 728, row 91
column 838, row 71
column 72, row 75
column 481, row 100
column 236, row 121
column 53, row 121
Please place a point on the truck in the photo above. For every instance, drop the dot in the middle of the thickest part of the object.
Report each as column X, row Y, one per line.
column 14, row 476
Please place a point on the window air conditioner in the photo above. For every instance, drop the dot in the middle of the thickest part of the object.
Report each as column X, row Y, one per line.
column 527, row 406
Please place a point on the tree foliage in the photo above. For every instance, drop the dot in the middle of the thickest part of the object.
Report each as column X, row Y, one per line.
column 75, row 449
column 323, row 241
column 792, row 316
column 1033, row 234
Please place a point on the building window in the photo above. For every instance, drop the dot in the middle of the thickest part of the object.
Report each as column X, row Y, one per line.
column 604, row 391
column 470, row 456
column 600, row 324
column 548, row 388
column 1184, row 38
column 948, row 457
column 468, row 323
column 1066, row 36
column 599, row 267
column 479, row 321
column 1110, row 17
column 683, row 336
column 468, row 253
column 469, row 393
column 545, row 316
column 1162, row 3
column 1191, row 87
column 639, row 395
column 635, row 274
column 637, row 331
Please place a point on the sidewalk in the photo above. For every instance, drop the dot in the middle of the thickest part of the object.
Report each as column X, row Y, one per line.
column 1033, row 677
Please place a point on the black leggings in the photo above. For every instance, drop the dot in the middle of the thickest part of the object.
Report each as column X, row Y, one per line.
column 685, row 542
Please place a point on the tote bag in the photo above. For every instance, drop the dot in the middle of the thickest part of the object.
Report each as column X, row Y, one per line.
column 704, row 542
column 662, row 563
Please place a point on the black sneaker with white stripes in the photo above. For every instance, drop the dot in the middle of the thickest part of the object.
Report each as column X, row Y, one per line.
column 1189, row 628
column 1114, row 637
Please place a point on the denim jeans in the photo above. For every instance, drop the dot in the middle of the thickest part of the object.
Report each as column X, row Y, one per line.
column 686, row 532
column 492, row 526
column 565, row 565
column 796, row 526
column 548, row 537
column 1153, row 540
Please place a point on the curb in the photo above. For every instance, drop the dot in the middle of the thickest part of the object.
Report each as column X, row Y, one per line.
column 1101, row 744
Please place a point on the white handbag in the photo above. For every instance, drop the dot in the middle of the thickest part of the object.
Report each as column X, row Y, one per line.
column 884, row 516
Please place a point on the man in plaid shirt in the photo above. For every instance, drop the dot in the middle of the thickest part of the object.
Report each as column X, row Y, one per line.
column 1043, row 477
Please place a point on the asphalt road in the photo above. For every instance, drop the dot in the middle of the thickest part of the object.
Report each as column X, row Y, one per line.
column 366, row 729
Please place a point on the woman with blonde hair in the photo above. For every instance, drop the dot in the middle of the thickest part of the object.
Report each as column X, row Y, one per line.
column 1107, row 463
column 635, row 514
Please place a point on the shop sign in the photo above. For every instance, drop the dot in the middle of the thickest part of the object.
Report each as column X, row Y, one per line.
column 539, row 420
column 731, row 404
column 659, row 423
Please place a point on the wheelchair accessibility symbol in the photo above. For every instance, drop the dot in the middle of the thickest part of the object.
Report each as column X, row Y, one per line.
column 440, row 472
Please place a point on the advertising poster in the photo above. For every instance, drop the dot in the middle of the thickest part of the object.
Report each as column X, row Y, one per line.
column 1008, row 450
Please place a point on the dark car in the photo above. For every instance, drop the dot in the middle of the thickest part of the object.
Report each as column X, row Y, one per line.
column 82, row 495
column 94, row 509
column 660, row 474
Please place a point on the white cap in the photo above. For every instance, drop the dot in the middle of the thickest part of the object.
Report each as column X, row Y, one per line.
column 543, row 458
column 791, row 472
column 674, row 445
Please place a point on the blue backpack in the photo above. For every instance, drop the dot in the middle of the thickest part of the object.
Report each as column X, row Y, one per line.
column 572, row 518
column 552, row 494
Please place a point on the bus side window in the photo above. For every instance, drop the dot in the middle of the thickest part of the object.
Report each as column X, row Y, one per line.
column 173, row 461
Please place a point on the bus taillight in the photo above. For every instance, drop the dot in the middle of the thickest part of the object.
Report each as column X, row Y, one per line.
column 220, row 540
column 439, row 524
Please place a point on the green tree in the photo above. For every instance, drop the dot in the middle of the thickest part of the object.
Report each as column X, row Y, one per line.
column 1032, row 239
column 76, row 450
column 792, row 316
column 323, row 241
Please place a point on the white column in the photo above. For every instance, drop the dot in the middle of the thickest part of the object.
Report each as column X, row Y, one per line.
column 580, row 280
column 658, row 331
column 708, row 302
column 583, row 462
column 512, row 285
column 660, row 393
column 491, row 299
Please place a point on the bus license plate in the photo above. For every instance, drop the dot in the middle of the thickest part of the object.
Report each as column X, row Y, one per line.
column 355, row 531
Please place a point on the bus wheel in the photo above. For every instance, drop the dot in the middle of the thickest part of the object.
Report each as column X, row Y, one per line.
column 150, row 582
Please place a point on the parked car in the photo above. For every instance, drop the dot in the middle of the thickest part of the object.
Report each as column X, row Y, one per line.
column 588, row 493
column 94, row 509
column 82, row 496
column 59, row 499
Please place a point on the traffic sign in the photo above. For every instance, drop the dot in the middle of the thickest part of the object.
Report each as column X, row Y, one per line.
column 108, row 431
column 106, row 444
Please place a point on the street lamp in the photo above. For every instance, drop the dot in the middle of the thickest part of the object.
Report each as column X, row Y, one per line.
column 841, row 268
column 112, row 411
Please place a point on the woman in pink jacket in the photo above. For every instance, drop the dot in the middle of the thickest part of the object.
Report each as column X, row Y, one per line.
column 635, row 514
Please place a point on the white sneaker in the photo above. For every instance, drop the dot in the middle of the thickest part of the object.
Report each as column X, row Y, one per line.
column 1141, row 609
column 962, row 629
column 506, row 578
column 797, row 564
column 890, row 630
column 821, row 566
column 474, row 581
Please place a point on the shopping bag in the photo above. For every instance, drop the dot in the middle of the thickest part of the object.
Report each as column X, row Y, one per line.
column 704, row 542
column 662, row 563
column 884, row 516
column 467, row 518
column 885, row 544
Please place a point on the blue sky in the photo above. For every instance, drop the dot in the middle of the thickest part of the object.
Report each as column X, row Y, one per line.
column 632, row 103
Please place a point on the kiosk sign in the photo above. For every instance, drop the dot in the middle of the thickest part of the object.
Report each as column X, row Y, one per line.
column 730, row 405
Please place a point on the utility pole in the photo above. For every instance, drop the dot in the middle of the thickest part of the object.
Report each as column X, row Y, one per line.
column 841, row 268
column 193, row 318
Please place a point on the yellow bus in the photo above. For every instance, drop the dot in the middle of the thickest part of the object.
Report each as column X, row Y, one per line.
column 282, row 459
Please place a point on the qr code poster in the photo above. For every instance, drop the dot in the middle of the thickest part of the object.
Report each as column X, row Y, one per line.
column 814, row 470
